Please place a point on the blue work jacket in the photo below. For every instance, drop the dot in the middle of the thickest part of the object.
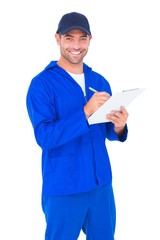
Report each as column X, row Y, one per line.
column 74, row 153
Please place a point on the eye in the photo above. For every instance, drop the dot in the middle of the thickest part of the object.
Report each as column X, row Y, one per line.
column 84, row 38
column 68, row 38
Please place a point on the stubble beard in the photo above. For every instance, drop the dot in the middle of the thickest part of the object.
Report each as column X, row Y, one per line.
column 74, row 59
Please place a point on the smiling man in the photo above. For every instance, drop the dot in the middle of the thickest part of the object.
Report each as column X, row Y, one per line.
column 77, row 188
column 73, row 47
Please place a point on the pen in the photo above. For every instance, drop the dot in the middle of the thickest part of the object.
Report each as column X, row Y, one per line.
column 92, row 89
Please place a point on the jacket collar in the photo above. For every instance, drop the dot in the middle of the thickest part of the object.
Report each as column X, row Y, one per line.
column 53, row 64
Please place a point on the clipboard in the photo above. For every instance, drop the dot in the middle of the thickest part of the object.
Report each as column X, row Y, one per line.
column 117, row 100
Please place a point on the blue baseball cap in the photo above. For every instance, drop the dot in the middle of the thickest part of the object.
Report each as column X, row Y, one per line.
column 73, row 20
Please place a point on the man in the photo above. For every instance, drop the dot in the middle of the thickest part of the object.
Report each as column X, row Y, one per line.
column 77, row 179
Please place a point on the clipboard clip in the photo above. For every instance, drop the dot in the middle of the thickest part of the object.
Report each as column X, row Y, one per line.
column 132, row 89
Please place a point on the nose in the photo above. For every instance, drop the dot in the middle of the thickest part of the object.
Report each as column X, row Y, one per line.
column 76, row 44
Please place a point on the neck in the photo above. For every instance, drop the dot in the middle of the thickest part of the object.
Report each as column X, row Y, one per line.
column 70, row 67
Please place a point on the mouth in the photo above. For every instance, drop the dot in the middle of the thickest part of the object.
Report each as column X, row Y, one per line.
column 75, row 53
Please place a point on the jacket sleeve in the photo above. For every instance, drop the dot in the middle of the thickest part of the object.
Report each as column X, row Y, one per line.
column 111, row 134
column 49, row 131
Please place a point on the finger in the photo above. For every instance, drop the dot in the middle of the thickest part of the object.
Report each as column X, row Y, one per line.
column 104, row 94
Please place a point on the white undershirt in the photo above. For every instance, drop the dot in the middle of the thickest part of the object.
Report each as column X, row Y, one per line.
column 79, row 78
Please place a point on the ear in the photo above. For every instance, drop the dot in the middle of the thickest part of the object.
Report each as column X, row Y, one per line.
column 58, row 38
column 90, row 37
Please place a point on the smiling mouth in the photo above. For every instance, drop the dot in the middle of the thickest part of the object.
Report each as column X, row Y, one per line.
column 75, row 53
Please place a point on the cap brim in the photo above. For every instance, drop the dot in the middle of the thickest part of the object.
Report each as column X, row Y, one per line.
column 74, row 27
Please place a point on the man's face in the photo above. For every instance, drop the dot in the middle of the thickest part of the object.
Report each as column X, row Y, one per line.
column 73, row 45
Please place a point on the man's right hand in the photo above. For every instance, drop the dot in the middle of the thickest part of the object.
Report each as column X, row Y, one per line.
column 95, row 102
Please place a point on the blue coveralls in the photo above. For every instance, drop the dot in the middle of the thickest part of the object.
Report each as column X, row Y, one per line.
column 76, row 170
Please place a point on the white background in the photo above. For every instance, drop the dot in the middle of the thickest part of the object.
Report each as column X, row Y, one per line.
column 126, row 50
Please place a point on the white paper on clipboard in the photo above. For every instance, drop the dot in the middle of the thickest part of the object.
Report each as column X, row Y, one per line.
column 117, row 100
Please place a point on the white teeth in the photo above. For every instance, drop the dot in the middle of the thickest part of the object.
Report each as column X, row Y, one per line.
column 75, row 53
